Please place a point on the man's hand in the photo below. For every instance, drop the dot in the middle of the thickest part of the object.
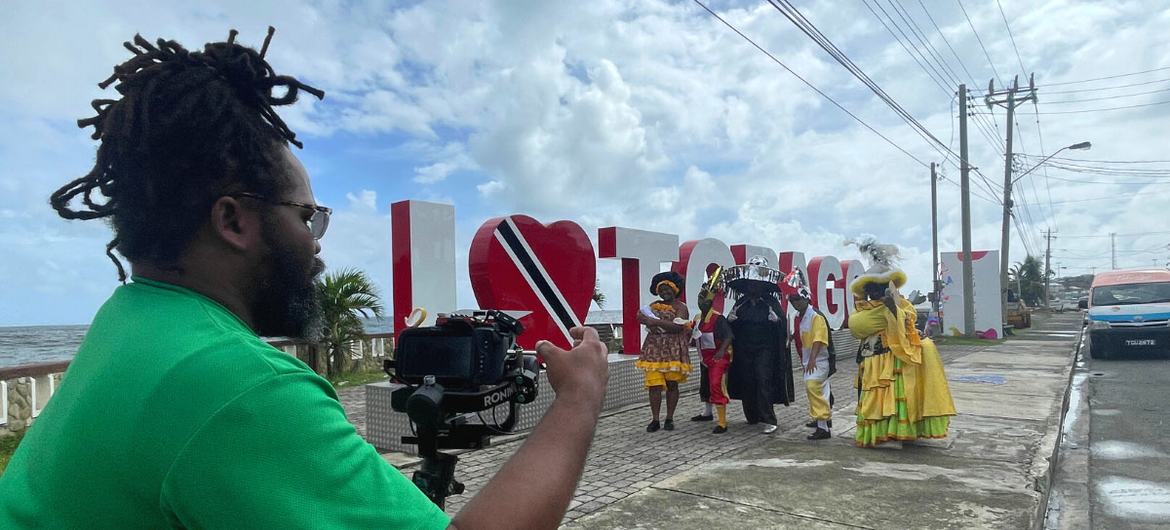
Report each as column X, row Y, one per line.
column 580, row 373
column 545, row 470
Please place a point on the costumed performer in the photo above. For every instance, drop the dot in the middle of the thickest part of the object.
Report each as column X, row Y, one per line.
column 713, row 336
column 813, row 345
column 902, row 390
column 704, row 373
column 665, row 358
column 761, row 375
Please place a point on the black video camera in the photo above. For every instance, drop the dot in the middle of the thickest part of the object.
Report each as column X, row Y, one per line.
column 460, row 351
column 452, row 372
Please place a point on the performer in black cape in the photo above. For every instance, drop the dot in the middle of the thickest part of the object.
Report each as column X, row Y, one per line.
column 761, row 368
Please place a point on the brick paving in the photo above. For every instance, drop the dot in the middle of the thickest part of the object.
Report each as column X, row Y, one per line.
column 625, row 458
column 353, row 400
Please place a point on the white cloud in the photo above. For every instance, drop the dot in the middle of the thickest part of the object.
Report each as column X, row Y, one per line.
column 433, row 173
column 490, row 188
column 650, row 115
column 364, row 200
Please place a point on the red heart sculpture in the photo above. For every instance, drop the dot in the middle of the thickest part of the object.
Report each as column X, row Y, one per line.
column 516, row 263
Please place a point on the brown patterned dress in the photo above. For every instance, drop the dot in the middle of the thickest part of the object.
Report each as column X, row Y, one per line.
column 665, row 355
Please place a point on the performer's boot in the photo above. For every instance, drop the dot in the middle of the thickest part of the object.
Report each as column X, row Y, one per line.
column 820, row 434
column 813, row 424
column 722, row 427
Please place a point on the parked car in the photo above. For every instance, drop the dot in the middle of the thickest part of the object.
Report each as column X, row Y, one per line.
column 1128, row 311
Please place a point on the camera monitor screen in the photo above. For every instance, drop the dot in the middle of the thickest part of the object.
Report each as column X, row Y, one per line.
column 442, row 356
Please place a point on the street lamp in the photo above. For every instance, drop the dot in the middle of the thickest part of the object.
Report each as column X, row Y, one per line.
column 1004, row 245
column 1076, row 146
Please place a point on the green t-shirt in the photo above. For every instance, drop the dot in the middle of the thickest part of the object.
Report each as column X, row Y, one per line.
column 175, row 414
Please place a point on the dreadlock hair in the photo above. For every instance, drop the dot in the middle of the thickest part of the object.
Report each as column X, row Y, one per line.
column 189, row 127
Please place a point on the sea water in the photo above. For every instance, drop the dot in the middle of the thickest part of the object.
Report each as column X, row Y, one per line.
column 42, row 344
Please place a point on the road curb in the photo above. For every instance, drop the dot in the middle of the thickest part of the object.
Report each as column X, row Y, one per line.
column 1042, row 479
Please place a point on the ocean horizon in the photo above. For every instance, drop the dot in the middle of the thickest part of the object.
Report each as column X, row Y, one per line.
column 20, row 345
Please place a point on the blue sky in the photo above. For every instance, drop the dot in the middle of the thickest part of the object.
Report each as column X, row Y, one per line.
column 649, row 115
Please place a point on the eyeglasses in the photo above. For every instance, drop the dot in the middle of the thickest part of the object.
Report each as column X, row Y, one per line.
column 317, row 224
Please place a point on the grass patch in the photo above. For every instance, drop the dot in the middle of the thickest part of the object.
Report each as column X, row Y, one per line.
column 352, row 379
column 7, row 447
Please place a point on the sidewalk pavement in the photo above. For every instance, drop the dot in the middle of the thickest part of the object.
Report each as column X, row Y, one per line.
column 992, row 472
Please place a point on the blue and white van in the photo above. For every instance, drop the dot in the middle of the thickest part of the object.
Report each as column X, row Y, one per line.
column 1129, row 311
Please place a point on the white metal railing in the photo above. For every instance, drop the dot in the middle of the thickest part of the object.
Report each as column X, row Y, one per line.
column 42, row 388
column 35, row 383
column 377, row 347
column 42, row 383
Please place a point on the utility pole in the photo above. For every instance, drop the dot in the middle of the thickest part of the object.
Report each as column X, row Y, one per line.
column 1014, row 98
column 1113, row 250
column 1048, row 268
column 935, row 283
column 965, row 187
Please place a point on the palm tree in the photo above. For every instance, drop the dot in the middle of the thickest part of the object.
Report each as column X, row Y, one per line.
column 346, row 297
column 1028, row 277
column 598, row 296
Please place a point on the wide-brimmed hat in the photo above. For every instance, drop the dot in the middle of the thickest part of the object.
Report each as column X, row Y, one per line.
column 882, row 269
column 757, row 271
column 675, row 279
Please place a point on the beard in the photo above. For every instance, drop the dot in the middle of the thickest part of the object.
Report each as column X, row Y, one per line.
column 287, row 303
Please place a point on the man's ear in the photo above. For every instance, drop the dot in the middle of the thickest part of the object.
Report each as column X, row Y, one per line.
column 235, row 225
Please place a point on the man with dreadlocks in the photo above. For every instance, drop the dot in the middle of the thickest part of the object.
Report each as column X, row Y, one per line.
column 174, row 412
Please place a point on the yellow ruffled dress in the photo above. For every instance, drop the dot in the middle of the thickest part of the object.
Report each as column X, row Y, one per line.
column 903, row 389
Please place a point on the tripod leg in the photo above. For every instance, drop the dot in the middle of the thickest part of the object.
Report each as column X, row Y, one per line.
column 436, row 478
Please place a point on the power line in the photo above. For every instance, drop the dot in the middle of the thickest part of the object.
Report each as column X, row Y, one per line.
column 1105, row 161
column 1047, row 184
column 974, row 191
column 1131, row 234
column 810, row 85
column 1110, row 77
column 1109, row 171
column 1068, row 101
column 1144, row 183
column 1031, row 178
column 922, row 39
column 1106, row 108
column 809, row 29
column 941, row 84
column 1012, row 37
column 944, row 39
column 1023, row 239
column 1104, row 88
column 981, row 122
column 1112, row 197
column 977, row 38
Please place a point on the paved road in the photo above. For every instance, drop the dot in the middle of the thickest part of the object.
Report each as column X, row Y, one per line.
column 1115, row 460
column 1129, row 442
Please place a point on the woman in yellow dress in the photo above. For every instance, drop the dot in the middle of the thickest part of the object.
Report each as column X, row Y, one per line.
column 665, row 356
column 902, row 390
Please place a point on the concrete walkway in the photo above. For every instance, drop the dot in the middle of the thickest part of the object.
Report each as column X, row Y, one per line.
column 992, row 472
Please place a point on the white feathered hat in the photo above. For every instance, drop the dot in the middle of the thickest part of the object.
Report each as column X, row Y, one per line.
column 882, row 265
